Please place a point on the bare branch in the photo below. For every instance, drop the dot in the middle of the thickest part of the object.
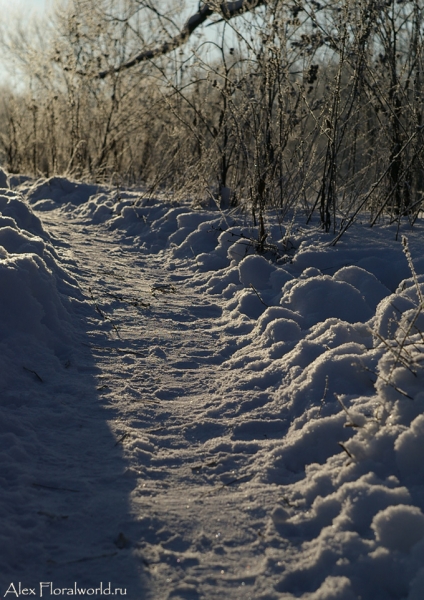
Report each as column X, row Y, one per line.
column 227, row 9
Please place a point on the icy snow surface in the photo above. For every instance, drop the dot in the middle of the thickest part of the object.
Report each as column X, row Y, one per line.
column 186, row 418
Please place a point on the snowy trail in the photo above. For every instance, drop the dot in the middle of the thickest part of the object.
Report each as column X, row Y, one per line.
column 188, row 419
column 157, row 374
column 76, row 489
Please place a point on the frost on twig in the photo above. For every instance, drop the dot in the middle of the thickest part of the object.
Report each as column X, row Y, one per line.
column 228, row 11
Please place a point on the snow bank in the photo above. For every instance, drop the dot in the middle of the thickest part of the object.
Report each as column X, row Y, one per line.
column 35, row 296
column 37, row 338
column 312, row 330
column 34, row 289
column 45, row 194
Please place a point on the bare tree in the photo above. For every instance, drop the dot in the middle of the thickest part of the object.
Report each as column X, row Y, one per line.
column 314, row 106
column 226, row 10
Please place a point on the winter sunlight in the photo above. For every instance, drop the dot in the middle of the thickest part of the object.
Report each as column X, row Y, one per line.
column 212, row 302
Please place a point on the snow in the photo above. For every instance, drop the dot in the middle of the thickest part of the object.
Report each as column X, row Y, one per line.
column 399, row 527
column 184, row 417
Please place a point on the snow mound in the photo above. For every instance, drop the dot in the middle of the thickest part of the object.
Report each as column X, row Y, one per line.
column 30, row 303
column 35, row 292
column 372, row 290
column 16, row 214
column 399, row 527
column 323, row 297
column 45, row 194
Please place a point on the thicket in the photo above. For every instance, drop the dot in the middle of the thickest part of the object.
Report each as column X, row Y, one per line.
column 315, row 106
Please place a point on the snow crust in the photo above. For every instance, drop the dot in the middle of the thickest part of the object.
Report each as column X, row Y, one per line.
column 274, row 445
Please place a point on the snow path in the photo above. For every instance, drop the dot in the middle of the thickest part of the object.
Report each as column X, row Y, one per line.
column 187, row 513
column 187, row 419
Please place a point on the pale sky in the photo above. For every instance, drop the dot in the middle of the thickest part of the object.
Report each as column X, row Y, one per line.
column 24, row 5
column 21, row 9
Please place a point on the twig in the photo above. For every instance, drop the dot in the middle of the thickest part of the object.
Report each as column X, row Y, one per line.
column 231, row 482
column 340, row 401
column 392, row 350
column 118, row 350
column 388, row 382
column 346, row 450
column 258, row 295
column 166, row 288
column 55, row 489
column 122, row 438
column 324, row 395
column 129, row 301
column 102, row 314
column 34, row 373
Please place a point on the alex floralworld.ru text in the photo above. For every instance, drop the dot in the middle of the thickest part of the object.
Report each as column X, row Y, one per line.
column 46, row 588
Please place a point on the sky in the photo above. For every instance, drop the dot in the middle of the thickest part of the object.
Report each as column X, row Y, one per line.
column 16, row 10
column 37, row 5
